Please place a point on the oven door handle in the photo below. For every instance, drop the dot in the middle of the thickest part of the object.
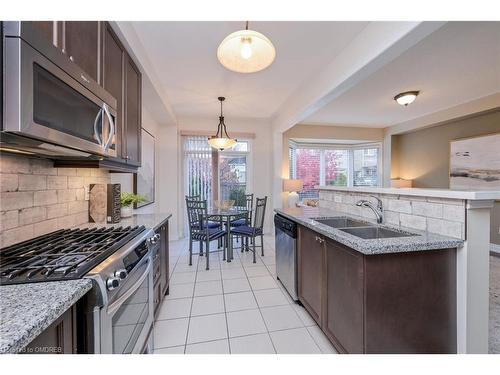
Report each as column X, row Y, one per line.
column 116, row 305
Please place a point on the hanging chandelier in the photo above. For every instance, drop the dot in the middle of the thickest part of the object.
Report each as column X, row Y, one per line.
column 221, row 141
column 246, row 51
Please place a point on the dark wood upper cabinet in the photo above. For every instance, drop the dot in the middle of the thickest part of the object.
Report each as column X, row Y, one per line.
column 344, row 297
column 50, row 30
column 132, row 128
column 113, row 78
column 95, row 48
column 82, row 45
column 310, row 265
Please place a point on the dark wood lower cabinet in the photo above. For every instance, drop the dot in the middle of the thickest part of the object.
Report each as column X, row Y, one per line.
column 344, row 298
column 161, row 266
column 310, row 264
column 59, row 338
column 379, row 304
column 410, row 301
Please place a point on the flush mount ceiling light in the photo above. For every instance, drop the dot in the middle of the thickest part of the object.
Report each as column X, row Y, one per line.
column 246, row 51
column 221, row 141
column 406, row 97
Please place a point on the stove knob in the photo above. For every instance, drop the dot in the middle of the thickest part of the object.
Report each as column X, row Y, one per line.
column 112, row 283
column 121, row 274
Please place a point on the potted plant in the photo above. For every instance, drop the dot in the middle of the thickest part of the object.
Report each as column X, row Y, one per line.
column 126, row 200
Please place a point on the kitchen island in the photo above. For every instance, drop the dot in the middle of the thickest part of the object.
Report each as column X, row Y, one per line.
column 460, row 214
column 382, row 295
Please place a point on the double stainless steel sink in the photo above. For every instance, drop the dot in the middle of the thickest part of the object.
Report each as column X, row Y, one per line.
column 361, row 229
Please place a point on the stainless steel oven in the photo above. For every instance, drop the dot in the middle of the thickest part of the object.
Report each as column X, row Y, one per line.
column 122, row 309
column 49, row 98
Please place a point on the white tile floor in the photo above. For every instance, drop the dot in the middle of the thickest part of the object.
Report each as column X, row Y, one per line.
column 236, row 307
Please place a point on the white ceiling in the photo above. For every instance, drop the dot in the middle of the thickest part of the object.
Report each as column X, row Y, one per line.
column 457, row 63
column 183, row 55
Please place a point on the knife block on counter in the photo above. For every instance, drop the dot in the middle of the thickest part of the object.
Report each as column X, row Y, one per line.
column 104, row 203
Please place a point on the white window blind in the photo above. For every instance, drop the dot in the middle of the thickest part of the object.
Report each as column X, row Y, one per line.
column 197, row 167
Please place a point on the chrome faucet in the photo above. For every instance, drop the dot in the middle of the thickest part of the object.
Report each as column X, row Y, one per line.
column 378, row 211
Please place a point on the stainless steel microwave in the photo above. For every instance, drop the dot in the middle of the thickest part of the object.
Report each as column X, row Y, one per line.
column 50, row 102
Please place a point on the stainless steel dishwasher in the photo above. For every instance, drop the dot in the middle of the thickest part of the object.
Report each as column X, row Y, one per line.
column 286, row 253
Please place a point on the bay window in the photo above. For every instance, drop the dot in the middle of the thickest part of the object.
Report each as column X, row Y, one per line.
column 337, row 165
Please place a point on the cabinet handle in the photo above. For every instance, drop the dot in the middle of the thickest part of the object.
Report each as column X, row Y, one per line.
column 71, row 59
column 319, row 239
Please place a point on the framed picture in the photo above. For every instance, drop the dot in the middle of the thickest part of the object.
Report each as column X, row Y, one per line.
column 475, row 163
column 144, row 179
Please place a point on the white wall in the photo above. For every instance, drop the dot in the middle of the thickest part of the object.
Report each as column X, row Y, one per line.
column 262, row 156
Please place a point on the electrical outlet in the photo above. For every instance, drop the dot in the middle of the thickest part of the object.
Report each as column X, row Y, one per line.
column 337, row 199
column 87, row 193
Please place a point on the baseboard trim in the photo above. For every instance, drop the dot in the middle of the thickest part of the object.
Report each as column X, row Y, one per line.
column 494, row 249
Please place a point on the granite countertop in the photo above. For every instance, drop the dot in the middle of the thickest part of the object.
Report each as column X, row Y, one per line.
column 26, row 310
column 421, row 241
column 148, row 220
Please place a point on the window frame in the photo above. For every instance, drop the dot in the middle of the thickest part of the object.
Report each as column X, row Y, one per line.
column 293, row 145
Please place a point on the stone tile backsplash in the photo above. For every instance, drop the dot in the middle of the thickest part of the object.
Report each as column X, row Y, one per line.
column 37, row 198
column 440, row 216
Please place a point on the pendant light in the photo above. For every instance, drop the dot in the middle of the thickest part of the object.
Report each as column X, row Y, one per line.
column 246, row 51
column 221, row 141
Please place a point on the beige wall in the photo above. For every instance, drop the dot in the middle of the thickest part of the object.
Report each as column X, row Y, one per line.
column 423, row 155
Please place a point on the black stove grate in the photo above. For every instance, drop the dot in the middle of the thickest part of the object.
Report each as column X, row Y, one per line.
column 62, row 255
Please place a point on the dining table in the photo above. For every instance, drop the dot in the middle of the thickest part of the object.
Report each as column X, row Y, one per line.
column 226, row 216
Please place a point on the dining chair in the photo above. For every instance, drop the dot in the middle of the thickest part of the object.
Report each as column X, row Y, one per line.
column 211, row 224
column 249, row 208
column 252, row 232
column 248, row 220
column 199, row 230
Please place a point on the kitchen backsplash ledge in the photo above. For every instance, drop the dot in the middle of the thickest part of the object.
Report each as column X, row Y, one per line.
column 435, row 215
column 37, row 198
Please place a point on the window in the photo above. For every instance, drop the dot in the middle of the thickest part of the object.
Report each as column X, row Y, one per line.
column 216, row 175
column 365, row 172
column 307, row 168
column 334, row 165
column 233, row 178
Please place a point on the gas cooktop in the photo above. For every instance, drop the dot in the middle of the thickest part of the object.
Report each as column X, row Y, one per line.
column 62, row 255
